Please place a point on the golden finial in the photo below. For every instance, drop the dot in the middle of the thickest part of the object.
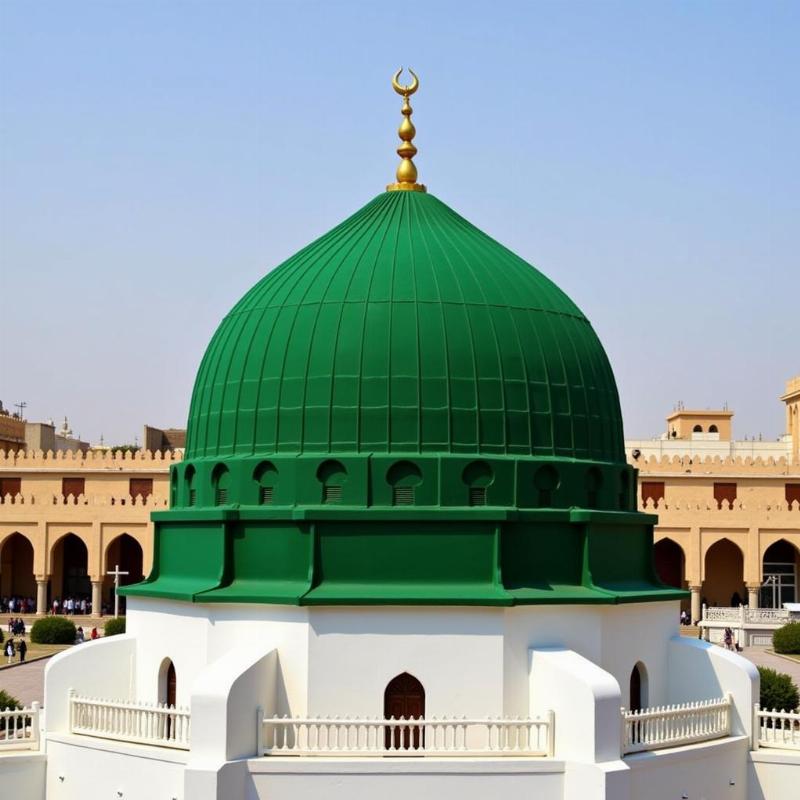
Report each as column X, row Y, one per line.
column 406, row 172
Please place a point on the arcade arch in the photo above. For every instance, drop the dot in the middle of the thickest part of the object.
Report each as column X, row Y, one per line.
column 780, row 570
column 69, row 569
column 126, row 552
column 16, row 567
column 723, row 583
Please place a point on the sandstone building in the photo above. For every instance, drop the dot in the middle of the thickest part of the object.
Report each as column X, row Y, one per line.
column 728, row 511
column 66, row 518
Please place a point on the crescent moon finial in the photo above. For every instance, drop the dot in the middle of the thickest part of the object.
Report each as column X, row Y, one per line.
column 407, row 171
column 405, row 91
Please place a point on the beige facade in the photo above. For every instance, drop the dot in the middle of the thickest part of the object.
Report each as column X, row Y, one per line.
column 72, row 517
column 728, row 527
column 12, row 431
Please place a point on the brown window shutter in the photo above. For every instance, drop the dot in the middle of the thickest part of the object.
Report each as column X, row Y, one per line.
column 652, row 490
column 724, row 491
column 73, row 486
column 12, row 486
column 141, row 487
column 793, row 493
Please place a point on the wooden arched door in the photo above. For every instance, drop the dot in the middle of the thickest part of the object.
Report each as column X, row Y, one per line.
column 404, row 698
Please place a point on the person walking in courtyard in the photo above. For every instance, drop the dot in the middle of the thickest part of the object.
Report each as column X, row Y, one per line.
column 10, row 650
column 728, row 639
column 22, row 649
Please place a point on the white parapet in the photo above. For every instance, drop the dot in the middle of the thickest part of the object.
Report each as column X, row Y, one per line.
column 675, row 725
column 586, row 702
column 19, row 728
column 492, row 738
column 104, row 667
column 142, row 723
column 778, row 729
column 698, row 670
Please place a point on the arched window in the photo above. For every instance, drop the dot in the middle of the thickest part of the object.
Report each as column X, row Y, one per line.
column 404, row 477
column 713, row 429
column 404, row 698
column 191, row 490
column 332, row 475
column 173, row 488
column 478, row 477
column 594, row 480
column 167, row 692
column 546, row 482
column 221, row 480
column 266, row 476
column 638, row 687
column 697, row 429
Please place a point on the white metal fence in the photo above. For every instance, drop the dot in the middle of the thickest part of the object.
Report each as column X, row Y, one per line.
column 296, row 736
column 19, row 728
column 774, row 728
column 161, row 725
column 671, row 726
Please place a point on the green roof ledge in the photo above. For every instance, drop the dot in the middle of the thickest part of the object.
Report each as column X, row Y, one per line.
column 404, row 413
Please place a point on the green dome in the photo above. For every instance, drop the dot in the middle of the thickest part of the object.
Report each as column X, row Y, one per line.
column 405, row 330
column 404, row 413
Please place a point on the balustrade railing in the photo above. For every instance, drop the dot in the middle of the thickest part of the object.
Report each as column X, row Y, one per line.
column 780, row 729
column 670, row 726
column 19, row 728
column 743, row 615
column 317, row 736
column 156, row 724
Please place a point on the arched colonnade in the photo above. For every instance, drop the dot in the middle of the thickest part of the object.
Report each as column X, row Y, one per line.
column 63, row 563
column 730, row 568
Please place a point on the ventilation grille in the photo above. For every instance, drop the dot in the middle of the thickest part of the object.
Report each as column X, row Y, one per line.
column 331, row 494
column 477, row 496
column 266, row 495
column 192, row 497
column 222, row 497
column 403, row 495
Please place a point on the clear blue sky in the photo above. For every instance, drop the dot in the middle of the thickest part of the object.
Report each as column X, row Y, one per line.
column 157, row 158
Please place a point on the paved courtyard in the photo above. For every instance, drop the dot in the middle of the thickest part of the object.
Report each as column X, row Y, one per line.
column 763, row 659
column 25, row 682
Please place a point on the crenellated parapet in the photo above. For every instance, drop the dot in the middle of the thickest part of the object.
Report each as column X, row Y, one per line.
column 693, row 504
column 697, row 465
column 120, row 500
column 76, row 460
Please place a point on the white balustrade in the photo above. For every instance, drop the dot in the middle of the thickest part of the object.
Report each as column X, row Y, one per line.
column 155, row 724
column 317, row 736
column 780, row 729
column 767, row 615
column 670, row 726
column 19, row 728
column 742, row 614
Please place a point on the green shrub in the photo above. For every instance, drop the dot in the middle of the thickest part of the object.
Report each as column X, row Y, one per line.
column 114, row 626
column 787, row 638
column 777, row 690
column 53, row 630
column 7, row 701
